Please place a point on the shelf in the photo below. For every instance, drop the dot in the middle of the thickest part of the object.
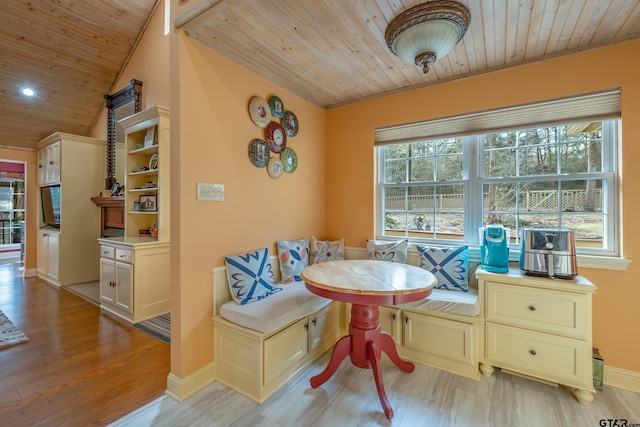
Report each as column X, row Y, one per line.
column 142, row 190
column 147, row 172
column 152, row 149
column 143, row 213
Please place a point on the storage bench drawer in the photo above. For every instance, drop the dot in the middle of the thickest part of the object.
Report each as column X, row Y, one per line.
column 540, row 309
column 439, row 337
column 559, row 359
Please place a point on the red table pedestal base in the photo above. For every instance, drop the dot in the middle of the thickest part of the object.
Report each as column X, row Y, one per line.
column 364, row 345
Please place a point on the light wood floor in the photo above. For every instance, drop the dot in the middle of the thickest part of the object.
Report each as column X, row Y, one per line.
column 426, row 397
column 79, row 367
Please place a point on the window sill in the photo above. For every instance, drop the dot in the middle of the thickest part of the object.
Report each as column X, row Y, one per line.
column 584, row 261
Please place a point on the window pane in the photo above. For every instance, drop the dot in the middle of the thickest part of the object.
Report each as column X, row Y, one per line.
column 538, row 160
column 498, row 161
column 588, row 229
column 500, row 197
column 582, row 157
column 582, row 195
column 539, row 221
column 395, row 151
column 394, row 198
column 450, row 226
column 449, row 168
column 421, row 169
column 395, row 171
column 538, row 136
column 540, row 196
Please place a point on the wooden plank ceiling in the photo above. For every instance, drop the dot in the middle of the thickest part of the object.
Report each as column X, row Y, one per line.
column 333, row 52
column 71, row 52
column 330, row 52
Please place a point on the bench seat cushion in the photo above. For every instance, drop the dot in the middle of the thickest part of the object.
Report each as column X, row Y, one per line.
column 280, row 309
column 445, row 301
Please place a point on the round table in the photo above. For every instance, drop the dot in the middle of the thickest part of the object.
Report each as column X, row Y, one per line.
column 366, row 284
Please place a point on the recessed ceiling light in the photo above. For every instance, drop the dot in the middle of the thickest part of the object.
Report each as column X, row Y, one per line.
column 28, row 91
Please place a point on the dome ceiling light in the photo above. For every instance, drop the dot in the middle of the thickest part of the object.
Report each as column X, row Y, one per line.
column 427, row 32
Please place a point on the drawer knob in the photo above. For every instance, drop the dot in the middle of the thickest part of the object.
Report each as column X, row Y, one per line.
column 532, row 308
column 532, row 352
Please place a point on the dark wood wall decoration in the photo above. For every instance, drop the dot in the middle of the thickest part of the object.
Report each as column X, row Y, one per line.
column 121, row 104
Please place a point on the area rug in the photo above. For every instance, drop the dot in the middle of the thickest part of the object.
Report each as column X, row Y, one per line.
column 158, row 327
column 9, row 333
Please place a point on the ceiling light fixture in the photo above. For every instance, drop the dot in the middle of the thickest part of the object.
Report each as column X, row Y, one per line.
column 427, row 32
column 28, row 91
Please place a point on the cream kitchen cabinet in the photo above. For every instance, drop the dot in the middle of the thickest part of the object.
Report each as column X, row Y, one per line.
column 48, row 255
column 49, row 164
column 134, row 277
column 116, row 278
column 540, row 328
column 74, row 165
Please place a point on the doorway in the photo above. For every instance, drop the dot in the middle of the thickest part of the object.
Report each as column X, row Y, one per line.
column 12, row 211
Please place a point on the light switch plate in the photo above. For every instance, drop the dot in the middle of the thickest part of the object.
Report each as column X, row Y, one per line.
column 210, row 192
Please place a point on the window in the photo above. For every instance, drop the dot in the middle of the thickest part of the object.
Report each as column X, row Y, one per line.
column 443, row 190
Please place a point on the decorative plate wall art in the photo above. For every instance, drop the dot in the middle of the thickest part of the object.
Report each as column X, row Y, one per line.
column 290, row 123
column 259, row 111
column 259, row 153
column 276, row 137
column 275, row 168
column 289, row 160
column 272, row 151
column 277, row 107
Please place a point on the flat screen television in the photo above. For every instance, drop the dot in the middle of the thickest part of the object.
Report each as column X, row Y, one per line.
column 50, row 199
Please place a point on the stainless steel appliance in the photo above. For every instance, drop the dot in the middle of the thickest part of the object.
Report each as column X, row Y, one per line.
column 548, row 252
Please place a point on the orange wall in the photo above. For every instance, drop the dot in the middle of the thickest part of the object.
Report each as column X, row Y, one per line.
column 210, row 133
column 150, row 65
column 350, row 174
column 31, row 176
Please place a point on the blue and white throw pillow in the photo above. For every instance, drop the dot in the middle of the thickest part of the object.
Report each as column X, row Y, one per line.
column 250, row 276
column 294, row 257
column 387, row 251
column 449, row 265
column 325, row 250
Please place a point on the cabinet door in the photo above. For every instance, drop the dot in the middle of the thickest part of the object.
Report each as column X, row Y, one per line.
column 324, row 327
column 41, row 256
column 53, row 255
column 53, row 163
column 124, row 289
column 107, row 281
column 390, row 323
column 42, row 166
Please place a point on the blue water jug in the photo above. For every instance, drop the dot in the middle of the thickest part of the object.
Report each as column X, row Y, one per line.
column 494, row 253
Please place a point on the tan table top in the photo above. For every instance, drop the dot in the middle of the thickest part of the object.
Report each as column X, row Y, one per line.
column 368, row 277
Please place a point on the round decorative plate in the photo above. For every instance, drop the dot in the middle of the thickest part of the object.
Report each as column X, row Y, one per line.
column 153, row 162
column 290, row 123
column 275, row 168
column 289, row 160
column 259, row 153
column 277, row 106
column 259, row 111
column 276, row 137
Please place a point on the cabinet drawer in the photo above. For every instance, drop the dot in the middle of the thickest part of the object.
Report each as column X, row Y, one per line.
column 107, row 251
column 540, row 309
column 554, row 358
column 124, row 255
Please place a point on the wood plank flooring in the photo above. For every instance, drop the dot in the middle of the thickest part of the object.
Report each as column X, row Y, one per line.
column 79, row 367
column 426, row 397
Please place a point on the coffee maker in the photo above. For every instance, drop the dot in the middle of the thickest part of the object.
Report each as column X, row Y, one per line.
column 494, row 252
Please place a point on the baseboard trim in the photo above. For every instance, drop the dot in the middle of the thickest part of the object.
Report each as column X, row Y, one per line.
column 622, row 378
column 181, row 388
column 30, row 272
